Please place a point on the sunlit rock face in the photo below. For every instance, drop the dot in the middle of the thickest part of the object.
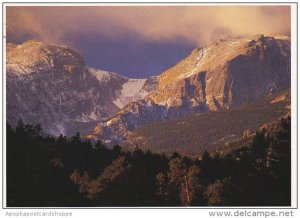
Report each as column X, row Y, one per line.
column 226, row 74
column 50, row 84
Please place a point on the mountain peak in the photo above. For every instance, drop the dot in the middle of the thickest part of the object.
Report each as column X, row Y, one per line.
column 50, row 84
column 33, row 55
column 224, row 75
column 211, row 66
column 203, row 59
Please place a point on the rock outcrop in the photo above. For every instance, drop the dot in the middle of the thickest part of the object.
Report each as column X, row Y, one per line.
column 224, row 75
column 51, row 85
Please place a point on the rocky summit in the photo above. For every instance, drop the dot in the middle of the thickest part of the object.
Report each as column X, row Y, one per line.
column 224, row 75
column 51, row 85
column 227, row 73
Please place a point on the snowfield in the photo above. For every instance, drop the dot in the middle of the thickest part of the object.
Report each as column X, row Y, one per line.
column 131, row 91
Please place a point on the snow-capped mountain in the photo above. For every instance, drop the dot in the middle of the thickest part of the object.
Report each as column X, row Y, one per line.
column 50, row 84
column 226, row 74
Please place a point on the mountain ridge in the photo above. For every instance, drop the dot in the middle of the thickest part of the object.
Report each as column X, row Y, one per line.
column 51, row 84
column 210, row 131
column 260, row 66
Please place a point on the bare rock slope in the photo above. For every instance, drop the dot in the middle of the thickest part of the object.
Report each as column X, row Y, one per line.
column 50, row 84
column 224, row 75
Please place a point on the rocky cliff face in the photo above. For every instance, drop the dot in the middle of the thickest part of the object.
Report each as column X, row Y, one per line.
column 227, row 73
column 221, row 76
column 50, row 84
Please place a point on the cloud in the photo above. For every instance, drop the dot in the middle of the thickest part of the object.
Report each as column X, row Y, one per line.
column 198, row 25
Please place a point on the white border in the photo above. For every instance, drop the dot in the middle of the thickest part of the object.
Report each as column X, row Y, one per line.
column 294, row 114
column 4, row 108
column 294, row 62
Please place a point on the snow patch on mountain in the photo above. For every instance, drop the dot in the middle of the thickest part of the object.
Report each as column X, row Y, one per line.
column 126, row 91
column 131, row 91
column 221, row 51
column 133, row 86
column 104, row 76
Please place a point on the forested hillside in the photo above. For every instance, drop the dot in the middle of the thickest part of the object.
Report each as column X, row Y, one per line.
column 47, row 171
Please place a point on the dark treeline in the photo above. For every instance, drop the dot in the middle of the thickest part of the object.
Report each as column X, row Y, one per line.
column 48, row 171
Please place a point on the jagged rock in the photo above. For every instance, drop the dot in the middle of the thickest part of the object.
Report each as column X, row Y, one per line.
column 228, row 74
column 221, row 76
column 50, row 84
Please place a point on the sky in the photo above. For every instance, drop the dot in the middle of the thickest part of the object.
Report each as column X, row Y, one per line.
column 141, row 41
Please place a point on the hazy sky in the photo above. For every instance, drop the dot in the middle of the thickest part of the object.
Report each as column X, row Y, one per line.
column 139, row 41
